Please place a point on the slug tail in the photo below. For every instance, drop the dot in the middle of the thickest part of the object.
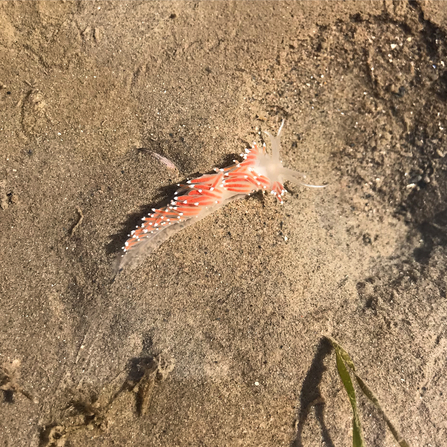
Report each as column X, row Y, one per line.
column 192, row 202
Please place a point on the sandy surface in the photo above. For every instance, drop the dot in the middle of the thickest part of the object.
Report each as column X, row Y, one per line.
column 234, row 309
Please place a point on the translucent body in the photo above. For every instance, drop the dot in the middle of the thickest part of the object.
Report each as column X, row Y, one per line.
column 204, row 195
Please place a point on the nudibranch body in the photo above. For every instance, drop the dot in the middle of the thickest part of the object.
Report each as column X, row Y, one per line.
column 201, row 196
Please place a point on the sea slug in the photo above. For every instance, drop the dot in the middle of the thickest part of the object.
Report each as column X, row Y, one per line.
column 202, row 196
